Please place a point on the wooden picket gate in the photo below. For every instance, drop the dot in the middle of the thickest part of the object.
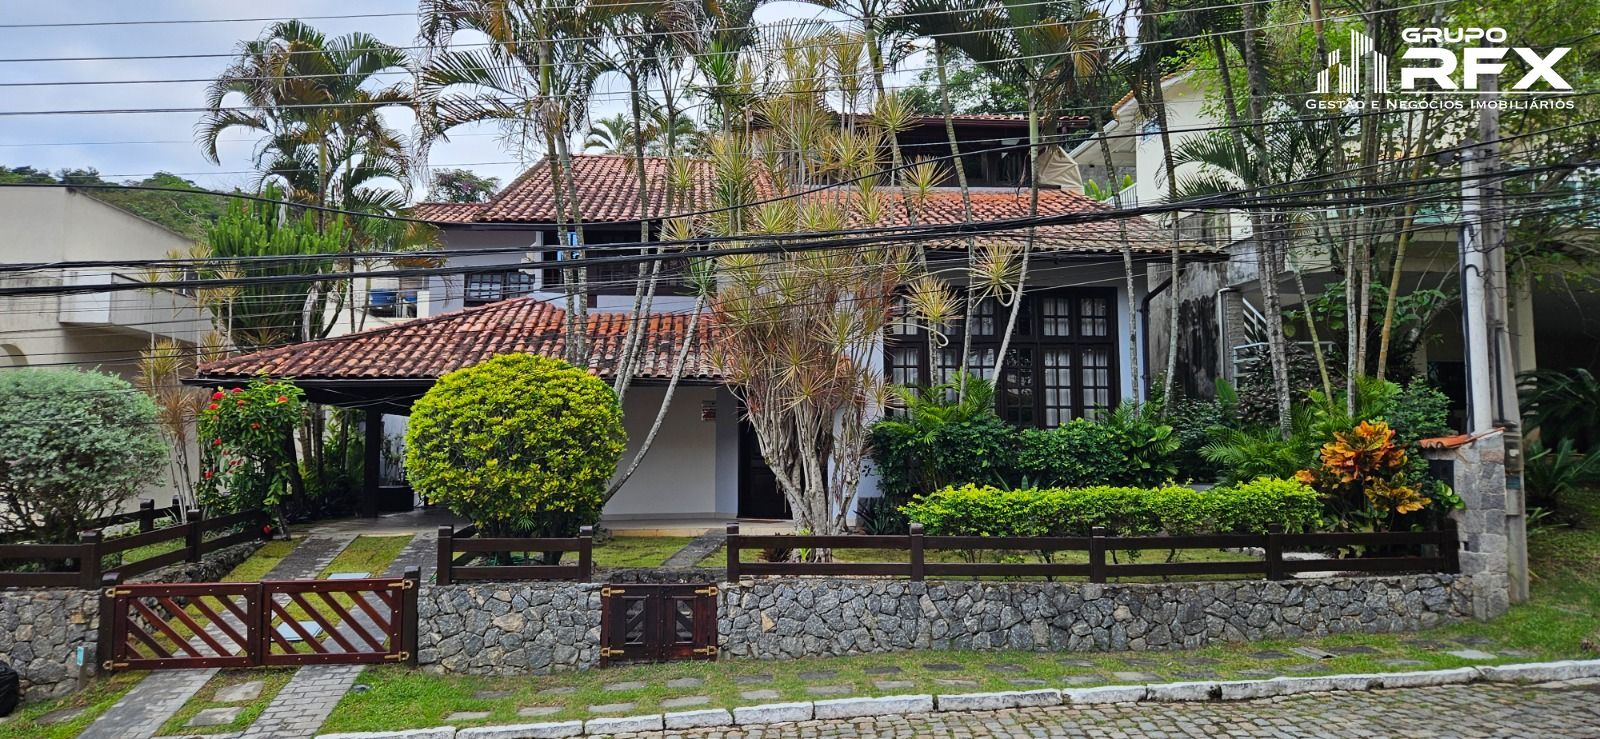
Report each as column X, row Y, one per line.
column 286, row 622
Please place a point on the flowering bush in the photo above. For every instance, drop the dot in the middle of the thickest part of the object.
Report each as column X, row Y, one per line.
column 245, row 450
column 1367, row 462
column 73, row 444
column 520, row 444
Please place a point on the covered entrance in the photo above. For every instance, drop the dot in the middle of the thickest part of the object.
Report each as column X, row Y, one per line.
column 759, row 496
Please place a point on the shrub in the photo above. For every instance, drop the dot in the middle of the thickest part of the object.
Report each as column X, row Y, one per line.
column 1074, row 454
column 1367, row 467
column 987, row 511
column 520, row 444
column 1194, row 421
column 938, row 440
column 246, row 461
column 1147, row 446
column 73, row 444
column 1418, row 411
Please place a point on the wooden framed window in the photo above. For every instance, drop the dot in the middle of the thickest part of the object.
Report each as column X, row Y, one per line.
column 1061, row 363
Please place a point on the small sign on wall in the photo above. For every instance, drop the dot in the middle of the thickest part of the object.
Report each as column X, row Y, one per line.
column 708, row 410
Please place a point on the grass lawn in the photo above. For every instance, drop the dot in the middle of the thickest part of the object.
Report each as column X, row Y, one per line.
column 637, row 551
column 1563, row 613
column 260, row 562
column 272, row 680
column 59, row 721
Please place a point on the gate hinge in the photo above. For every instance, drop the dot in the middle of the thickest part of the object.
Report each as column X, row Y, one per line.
column 114, row 592
column 398, row 656
column 403, row 584
column 608, row 592
column 710, row 651
column 609, row 652
column 108, row 665
column 707, row 591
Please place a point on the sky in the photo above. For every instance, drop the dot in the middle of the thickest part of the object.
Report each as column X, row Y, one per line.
column 135, row 145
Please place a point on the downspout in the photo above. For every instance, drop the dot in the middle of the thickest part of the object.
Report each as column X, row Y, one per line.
column 1144, row 331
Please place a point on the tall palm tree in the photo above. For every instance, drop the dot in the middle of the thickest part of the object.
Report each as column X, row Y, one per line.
column 1043, row 47
column 318, row 102
column 533, row 77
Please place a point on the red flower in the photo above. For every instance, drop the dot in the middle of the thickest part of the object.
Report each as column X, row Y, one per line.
column 255, row 425
column 213, row 407
column 217, row 441
column 216, row 395
column 283, row 398
column 208, row 474
column 238, row 390
column 239, row 403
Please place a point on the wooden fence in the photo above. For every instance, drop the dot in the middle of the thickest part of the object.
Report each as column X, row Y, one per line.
column 459, row 549
column 146, row 516
column 1437, row 551
column 84, row 561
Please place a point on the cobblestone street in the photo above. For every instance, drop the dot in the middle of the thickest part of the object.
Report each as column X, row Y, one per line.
column 1456, row 711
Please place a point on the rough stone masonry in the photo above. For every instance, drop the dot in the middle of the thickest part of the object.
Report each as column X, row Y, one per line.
column 802, row 618
column 541, row 627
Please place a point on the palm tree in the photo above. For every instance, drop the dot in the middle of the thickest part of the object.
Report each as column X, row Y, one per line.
column 533, row 78
column 613, row 135
column 1047, row 49
column 317, row 101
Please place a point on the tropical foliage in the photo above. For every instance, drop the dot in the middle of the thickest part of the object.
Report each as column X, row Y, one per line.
column 76, row 445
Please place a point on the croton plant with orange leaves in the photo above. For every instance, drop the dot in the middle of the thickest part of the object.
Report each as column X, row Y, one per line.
column 1368, row 461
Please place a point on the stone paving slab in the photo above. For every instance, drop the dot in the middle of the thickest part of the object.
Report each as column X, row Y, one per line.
column 299, row 709
column 697, row 549
column 1481, row 710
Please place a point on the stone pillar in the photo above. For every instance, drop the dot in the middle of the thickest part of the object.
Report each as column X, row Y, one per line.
column 1478, row 475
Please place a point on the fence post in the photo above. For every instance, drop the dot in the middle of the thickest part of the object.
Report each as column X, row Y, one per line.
column 89, row 559
column 105, row 641
column 1097, row 554
column 1450, row 545
column 147, row 515
column 446, row 551
column 1274, row 553
column 408, row 621
column 917, row 560
column 585, row 553
column 193, row 536
column 732, row 545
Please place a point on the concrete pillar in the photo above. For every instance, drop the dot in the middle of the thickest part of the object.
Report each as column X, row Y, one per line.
column 1486, row 520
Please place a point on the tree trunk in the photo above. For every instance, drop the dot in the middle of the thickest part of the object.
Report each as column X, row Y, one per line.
column 1027, row 245
column 969, row 307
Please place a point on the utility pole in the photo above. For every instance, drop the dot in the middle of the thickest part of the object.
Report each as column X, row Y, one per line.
column 1491, row 370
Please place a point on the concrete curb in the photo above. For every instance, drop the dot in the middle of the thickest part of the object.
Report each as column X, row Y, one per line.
column 843, row 708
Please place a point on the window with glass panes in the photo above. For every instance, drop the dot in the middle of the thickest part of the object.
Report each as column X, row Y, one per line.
column 1061, row 363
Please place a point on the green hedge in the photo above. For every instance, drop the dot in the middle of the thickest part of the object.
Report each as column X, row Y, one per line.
column 972, row 510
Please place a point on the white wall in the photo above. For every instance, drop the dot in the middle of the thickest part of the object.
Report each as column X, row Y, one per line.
column 680, row 473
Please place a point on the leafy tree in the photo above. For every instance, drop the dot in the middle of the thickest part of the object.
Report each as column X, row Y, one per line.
column 73, row 445
column 187, row 214
column 462, row 186
column 521, row 444
column 971, row 90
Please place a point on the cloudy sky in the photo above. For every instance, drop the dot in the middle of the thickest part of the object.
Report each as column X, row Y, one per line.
column 135, row 145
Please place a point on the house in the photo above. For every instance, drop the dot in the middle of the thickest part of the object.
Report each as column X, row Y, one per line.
column 503, row 294
column 1221, row 326
column 90, row 330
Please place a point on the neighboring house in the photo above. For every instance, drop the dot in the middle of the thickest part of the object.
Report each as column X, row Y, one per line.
column 104, row 330
column 1220, row 302
column 1066, row 359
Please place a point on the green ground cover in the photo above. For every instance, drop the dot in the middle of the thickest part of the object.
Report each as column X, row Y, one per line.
column 272, row 680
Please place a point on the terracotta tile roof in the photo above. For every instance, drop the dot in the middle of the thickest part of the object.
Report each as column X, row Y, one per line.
column 430, row 347
column 606, row 184
column 447, row 212
column 607, row 190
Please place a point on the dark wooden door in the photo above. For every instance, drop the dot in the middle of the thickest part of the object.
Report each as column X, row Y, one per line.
column 657, row 623
column 759, row 496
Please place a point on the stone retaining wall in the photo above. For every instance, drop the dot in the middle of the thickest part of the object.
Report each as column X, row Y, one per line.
column 814, row 617
column 508, row 628
column 42, row 628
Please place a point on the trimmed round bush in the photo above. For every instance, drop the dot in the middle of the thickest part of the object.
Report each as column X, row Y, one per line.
column 522, row 445
column 73, row 445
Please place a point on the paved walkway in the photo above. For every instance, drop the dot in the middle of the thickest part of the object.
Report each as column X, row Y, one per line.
column 305, row 702
column 699, row 548
column 1455, row 711
column 143, row 710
